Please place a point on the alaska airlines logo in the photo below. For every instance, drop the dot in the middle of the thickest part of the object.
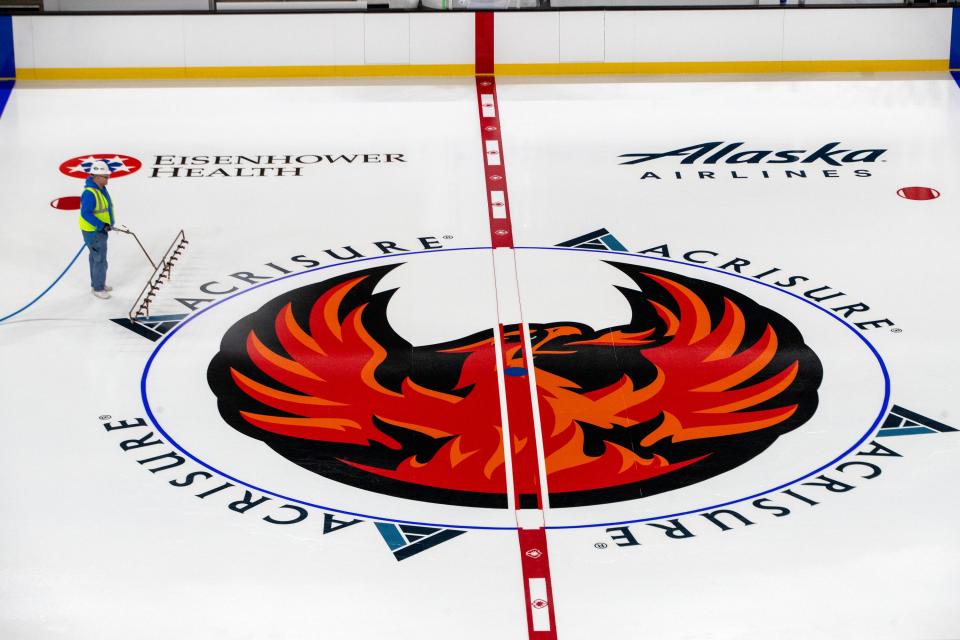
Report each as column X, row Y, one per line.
column 730, row 153
column 700, row 380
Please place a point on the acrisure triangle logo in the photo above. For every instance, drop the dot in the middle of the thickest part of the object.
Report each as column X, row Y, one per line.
column 600, row 239
column 407, row 540
column 152, row 328
column 903, row 422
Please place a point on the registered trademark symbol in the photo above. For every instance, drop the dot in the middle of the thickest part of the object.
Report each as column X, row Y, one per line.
column 448, row 237
column 896, row 330
column 105, row 417
column 601, row 545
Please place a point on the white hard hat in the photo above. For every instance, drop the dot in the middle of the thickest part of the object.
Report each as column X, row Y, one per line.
column 99, row 168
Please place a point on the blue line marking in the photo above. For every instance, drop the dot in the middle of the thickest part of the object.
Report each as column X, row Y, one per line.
column 8, row 66
column 880, row 415
column 6, row 88
column 955, row 42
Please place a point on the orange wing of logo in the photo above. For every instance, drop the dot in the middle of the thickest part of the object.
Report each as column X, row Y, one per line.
column 717, row 378
column 329, row 379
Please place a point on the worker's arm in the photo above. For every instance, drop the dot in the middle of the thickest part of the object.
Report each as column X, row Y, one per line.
column 87, row 204
column 110, row 206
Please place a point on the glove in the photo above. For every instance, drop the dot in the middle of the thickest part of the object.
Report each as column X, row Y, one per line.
column 106, row 228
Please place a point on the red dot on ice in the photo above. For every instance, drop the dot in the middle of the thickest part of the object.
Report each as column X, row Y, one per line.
column 918, row 193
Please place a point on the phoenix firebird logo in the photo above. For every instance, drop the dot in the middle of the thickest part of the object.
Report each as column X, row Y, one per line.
column 700, row 380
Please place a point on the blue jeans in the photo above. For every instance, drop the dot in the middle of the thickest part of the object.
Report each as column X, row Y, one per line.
column 97, row 250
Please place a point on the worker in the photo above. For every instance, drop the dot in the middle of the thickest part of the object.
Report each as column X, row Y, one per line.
column 96, row 221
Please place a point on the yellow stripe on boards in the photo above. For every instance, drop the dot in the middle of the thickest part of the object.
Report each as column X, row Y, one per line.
column 123, row 73
column 339, row 71
column 427, row 70
column 164, row 73
column 816, row 66
column 602, row 68
column 746, row 66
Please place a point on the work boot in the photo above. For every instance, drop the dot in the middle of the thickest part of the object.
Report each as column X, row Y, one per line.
column 103, row 295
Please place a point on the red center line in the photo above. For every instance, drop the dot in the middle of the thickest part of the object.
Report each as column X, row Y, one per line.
column 517, row 362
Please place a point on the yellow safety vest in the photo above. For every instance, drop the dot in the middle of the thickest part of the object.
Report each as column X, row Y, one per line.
column 101, row 210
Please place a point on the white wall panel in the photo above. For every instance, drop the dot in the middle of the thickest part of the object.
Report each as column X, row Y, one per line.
column 526, row 37
column 347, row 38
column 258, row 40
column 581, row 36
column 108, row 41
column 23, row 42
column 386, row 38
column 708, row 36
column 867, row 34
column 448, row 38
column 441, row 38
column 619, row 35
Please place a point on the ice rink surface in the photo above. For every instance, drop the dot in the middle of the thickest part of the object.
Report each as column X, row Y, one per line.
column 710, row 363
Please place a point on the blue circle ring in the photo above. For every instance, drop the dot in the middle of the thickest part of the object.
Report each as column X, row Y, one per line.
column 156, row 423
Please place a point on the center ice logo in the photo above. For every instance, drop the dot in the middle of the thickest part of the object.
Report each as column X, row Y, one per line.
column 700, row 380
column 120, row 165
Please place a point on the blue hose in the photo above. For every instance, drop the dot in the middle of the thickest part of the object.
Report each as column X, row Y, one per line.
column 44, row 292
